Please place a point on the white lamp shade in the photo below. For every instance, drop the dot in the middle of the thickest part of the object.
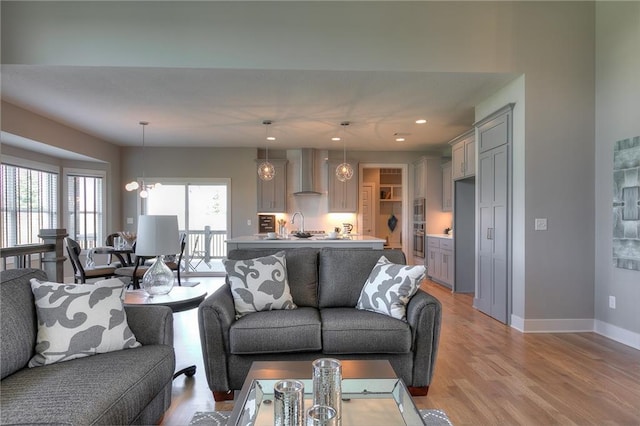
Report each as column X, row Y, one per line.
column 157, row 235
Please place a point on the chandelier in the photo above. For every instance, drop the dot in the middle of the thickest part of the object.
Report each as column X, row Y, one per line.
column 142, row 186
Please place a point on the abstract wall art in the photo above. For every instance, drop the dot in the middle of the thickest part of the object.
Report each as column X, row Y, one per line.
column 626, row 204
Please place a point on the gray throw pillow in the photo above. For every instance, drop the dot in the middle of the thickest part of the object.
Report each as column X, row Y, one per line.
column 389, row 288
column 79, row 320
column 259, row 284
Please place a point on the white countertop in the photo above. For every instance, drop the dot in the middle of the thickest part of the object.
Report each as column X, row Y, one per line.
column 440, row 236
column 356, row 241
column 316, row 239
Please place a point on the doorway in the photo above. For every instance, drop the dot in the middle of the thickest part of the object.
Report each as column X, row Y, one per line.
column 203, row 209
column 383, row 210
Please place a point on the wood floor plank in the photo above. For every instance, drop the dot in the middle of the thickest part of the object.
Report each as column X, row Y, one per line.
column 486, row 373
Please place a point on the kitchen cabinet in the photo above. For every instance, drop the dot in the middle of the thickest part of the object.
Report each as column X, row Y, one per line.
column 440, row 263
column 272, row 194
column 447, row 188
column 493, row 209
column 342, row 196
column 463, row 155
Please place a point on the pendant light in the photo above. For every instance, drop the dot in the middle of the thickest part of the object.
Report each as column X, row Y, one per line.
column 134, row 185
column 266, row 171
column 344, row 171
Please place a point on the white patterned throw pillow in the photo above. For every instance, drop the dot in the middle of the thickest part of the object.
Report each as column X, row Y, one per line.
column 259, row 284
column 389, row 288
column 79, row 320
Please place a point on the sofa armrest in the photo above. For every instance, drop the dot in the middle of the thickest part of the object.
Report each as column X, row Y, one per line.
column 152, row 325
column 215, row 316
column 424, row 315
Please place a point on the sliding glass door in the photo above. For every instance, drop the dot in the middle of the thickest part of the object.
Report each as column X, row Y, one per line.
column 202, row 208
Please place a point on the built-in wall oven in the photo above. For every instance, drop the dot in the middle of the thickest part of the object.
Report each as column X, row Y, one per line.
column 419, row 217
column 419, row 210
column 418, row 240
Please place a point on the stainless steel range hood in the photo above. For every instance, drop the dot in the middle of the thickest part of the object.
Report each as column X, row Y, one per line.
column 306, row 177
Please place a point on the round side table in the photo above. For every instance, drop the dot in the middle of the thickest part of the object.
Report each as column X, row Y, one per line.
column 178, row 299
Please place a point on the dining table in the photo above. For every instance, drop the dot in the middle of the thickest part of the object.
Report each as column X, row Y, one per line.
column 124, row 254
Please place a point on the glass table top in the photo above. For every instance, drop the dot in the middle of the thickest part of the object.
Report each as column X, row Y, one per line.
column 364, row 402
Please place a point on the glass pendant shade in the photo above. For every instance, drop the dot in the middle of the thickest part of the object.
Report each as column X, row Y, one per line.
column 266, row 171
column 158, row 279
column 344, row 172
column 132, row 186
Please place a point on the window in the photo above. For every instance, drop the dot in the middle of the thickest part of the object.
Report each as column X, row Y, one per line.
column 85, row 207
column 29, row 203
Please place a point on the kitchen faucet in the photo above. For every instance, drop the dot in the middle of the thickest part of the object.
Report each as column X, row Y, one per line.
column 293, row 218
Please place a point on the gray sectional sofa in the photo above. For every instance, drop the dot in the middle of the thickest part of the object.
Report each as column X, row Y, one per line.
column 325, row 285
column 131, row 386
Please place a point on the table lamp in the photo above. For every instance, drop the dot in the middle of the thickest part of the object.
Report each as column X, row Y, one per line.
column 157, row 236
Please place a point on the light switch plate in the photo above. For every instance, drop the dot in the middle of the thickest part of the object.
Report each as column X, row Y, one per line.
column 541, row 224
column 129, row 221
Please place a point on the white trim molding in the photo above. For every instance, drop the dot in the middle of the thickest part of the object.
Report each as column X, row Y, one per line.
column 618, row 334
column 607, row 330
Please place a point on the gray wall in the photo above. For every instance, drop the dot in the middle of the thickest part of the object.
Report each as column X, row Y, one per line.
column 550, row 44
column 617, row 113
column 237, row 164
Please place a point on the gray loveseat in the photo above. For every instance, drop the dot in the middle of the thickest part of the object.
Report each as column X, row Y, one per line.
column 122, row 387
column 325, row 285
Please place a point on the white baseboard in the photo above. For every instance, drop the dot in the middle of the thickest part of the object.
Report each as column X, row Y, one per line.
column 551, row 325
column 610, row 331
column 618, row 334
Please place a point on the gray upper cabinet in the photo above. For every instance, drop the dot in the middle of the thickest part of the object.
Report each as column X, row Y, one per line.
column 447, row 188
column 272, row 194
column 342, row 196
column 463, row 152
column 494, row 133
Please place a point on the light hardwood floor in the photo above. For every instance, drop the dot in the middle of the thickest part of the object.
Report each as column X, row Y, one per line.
column 486, row 373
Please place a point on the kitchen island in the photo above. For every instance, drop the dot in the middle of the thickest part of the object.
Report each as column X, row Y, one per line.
column 258, row 241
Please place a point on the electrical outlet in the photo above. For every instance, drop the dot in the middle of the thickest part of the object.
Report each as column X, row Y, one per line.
column 248, row 222
column 541, row 224
column 612, row 302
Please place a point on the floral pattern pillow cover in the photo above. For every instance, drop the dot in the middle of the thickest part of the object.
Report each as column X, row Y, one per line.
column 259, row 284
column 389, row 288
column 79, row 320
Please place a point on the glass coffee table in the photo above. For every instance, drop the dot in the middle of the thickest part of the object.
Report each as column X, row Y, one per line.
column 372, row 394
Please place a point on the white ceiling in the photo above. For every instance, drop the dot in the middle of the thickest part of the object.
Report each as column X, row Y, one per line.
column 208, row 73
column 221, row 107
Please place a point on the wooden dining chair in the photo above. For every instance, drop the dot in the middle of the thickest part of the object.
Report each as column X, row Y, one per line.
column 80, row 272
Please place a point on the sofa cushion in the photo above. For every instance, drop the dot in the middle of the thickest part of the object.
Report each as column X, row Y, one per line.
column 79, row 320
column 352, row 331
column 112, row 388
column 18, row 327
column 259, row 284
column 276, row 331
column 302, row 271
column 389, row 288
column 343, row 273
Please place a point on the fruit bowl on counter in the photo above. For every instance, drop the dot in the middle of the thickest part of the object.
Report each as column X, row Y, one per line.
column 302, row 235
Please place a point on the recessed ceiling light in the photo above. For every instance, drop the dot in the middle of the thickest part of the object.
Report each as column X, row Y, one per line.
column 421, row 121
column 271, row 138
column 399, row 139
column 335, row 139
